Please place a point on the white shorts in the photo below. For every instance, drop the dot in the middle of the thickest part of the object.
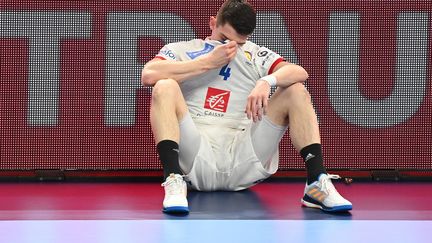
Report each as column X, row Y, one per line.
column 217, row 158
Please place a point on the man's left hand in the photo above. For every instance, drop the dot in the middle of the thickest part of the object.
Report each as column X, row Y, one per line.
column 257, row 101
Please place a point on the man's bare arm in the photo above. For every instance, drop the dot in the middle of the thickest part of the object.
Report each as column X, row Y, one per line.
column 158, row 69
column 287, row 74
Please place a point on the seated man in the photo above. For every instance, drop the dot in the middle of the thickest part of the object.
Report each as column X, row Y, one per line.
column 214, row 123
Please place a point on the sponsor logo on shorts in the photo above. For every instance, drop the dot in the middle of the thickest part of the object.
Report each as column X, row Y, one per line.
column 217, row 99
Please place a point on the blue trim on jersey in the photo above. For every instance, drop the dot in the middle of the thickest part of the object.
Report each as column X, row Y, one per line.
column 194, row 54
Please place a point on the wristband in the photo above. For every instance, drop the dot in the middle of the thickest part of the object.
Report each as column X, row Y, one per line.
column 271, row 80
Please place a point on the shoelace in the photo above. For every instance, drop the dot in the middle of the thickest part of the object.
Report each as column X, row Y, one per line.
column 327, row 185
column 174, row 185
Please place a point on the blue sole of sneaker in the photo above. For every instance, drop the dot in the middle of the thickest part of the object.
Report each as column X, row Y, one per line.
column 176, row 210
column 337, row 209
column 342, row 208
column 312, row 203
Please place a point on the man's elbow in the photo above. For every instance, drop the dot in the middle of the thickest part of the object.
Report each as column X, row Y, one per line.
column 296, row 73
column 304, row 74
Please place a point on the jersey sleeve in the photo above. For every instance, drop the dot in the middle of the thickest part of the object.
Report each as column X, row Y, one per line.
column 168, row 53
column 265, row 61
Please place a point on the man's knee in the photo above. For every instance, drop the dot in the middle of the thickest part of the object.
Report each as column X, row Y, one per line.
column 296, row 93
column 165, row 88
column 285, row 100
column 168, row 92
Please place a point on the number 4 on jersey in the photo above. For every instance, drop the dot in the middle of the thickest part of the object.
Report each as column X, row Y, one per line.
column 225, row 72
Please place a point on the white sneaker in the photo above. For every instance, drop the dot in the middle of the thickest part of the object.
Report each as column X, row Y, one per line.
column 323, row 195
column 175, row 200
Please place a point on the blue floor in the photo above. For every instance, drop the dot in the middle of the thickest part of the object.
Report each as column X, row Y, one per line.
column 218, row 231
column 269, row 212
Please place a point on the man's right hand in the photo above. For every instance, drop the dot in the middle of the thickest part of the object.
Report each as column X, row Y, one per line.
column 221, row 55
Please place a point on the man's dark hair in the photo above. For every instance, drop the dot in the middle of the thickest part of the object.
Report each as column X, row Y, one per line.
column 239, row 14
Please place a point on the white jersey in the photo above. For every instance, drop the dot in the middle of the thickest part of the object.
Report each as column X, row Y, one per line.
column 219, row 96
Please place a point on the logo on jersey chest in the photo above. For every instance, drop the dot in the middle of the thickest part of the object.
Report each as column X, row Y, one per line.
column 248, row 55
column 217, row 99
column 194, row 54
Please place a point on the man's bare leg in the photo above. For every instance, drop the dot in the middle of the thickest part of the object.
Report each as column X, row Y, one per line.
column 293, row 106
column 168, row 107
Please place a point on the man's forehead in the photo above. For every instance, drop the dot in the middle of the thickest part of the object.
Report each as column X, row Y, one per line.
column 229, row 32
